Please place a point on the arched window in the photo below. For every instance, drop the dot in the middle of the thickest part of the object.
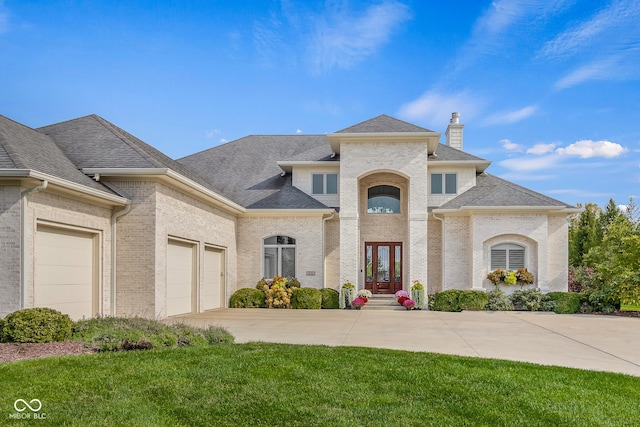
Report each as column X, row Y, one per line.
column 507, row 256
column 279, row 254
column 383, row 199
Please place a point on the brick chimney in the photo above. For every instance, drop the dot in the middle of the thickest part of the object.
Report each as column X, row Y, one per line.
column 454, row 132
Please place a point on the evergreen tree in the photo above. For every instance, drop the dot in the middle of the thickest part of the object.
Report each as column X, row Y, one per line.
column 585, row 232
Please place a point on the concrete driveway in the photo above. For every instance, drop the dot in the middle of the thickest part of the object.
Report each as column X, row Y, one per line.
column 599, row 343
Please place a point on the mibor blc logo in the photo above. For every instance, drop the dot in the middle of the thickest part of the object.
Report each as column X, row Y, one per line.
column 34, row 406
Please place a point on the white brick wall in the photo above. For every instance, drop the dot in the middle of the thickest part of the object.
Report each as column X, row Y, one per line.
column 307, row 230
column 9, row 249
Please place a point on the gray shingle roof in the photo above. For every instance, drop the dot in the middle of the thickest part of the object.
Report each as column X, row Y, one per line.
column 444, row 152
column 383, row 124
column 491, row 191
column 26, row 148
column 246, row 170
column 93, row 142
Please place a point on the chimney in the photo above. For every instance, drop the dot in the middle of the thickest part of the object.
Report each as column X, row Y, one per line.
column 454, row 132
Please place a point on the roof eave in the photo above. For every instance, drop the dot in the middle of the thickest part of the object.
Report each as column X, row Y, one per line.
column 471, row 209
column 288, row 166
column 65, row 186
column 432, row 138
column 481, row 165
column 171, row 174
column 288, row 212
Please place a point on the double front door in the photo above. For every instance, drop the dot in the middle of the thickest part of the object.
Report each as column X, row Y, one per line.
column 383, row 267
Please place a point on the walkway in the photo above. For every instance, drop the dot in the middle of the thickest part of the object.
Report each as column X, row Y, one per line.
column 601, row 343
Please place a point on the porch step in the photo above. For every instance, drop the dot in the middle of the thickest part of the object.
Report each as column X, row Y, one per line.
column 383, row 303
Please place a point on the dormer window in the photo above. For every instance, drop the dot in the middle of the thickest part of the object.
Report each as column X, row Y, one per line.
column 324, row 183
column 444, row 183
column 383, row 199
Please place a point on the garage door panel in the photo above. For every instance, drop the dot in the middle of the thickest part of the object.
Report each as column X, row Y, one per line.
column 64, row 271
column 180, row 277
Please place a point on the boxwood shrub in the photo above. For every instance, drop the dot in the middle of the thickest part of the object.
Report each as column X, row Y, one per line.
column 565, row 302
column 2, row 323
column 330, row 298
column 458, row 300
column 473, row 300
column 247, row 298
column 309, row 298
column 446, row 301
column 37, row 325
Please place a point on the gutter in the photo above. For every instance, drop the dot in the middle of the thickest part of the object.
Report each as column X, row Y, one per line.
column 23, row 215
column 114, row 241
column 324, row 252
column 443, row 250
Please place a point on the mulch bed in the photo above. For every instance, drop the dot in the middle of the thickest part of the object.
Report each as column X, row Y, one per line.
column 10, row 352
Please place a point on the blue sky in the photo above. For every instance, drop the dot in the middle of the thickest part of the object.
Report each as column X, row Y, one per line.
column 548, row 90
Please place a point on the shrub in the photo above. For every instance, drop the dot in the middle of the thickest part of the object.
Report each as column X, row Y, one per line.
column 565, row 302
column 498, row 301
column 330, row 298
column 473, row 300
column 446, row 301
column 531, row 300
column 309, row 298
column 37, row 325
column 247, row 298
column 2, row 323
column 136, row 333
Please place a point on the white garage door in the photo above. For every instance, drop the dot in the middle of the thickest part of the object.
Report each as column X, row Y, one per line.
column 213, row 281
column 180, row 277
column 65, row 272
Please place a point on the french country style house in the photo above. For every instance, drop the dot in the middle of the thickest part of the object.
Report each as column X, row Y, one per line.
column 94, row 221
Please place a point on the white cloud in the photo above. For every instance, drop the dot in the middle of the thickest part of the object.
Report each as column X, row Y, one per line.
column 298, row 131
column 541, row 148
column 528, row 164
column 222, row 140
column 587, row 148
column 436, row 107
column 509, row 145
column 617, row 15
column 212, row 133
column 596, row 70
column 509, row 117
column 341, row 39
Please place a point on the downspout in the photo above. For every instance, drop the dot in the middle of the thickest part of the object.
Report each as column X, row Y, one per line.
column 324, row 251
column 443, row 250
column 114, row 240
column 23, row 215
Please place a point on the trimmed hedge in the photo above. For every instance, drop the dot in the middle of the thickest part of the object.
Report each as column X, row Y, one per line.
column 247, row 298
column 306, row 298
column 565, row 302
column 37, row 325
column 473, row 300
column 330, row 298
column 446, row 301
column 2, row 323
column 457, row 300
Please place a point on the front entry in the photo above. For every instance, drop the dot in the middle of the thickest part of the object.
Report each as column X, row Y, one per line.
column 383, row 267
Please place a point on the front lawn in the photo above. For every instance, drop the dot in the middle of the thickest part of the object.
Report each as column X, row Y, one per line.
column 273, row 384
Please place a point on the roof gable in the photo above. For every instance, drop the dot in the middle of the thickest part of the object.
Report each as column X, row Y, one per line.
column 26, row 148
column 383, row 124
column 491, row 191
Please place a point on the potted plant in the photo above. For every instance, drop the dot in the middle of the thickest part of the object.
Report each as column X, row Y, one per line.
column 358, row 303
column 409, row 304
column 365, row 294
column 347, row 294
column 402, row 296
column 417, row 294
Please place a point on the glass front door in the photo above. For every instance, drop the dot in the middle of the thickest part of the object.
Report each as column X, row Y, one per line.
column 383, row 267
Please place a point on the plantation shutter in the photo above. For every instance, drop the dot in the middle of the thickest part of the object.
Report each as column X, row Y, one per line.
column 498, row 259
column 516, row 259
column 507, row 256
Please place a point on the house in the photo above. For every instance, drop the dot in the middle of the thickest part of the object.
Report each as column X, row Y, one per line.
column 95, row 221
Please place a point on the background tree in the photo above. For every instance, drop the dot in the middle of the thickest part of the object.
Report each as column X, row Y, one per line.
column 585, row 232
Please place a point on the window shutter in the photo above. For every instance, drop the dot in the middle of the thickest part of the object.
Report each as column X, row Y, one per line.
column 498, row 259
column 516, row 259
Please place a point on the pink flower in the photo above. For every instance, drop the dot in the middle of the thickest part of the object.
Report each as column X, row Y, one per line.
column 358, row 303
column 401, row 300
column 402, row 293
column 409, row 304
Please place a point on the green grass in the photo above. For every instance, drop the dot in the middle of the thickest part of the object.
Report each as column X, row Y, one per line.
column 271, row 384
